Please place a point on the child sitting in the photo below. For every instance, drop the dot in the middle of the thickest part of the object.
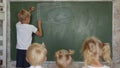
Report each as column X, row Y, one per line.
column 94, row 51
column 36, row 55
column 63, row 58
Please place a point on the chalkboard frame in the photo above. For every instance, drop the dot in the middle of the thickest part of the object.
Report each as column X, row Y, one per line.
column 104, row 40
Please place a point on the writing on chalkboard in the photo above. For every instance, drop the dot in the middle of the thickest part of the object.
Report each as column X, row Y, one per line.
column 56, row 14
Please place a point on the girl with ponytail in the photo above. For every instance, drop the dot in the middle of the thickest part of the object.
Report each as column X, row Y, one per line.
column 64, row 58
column 94, row 51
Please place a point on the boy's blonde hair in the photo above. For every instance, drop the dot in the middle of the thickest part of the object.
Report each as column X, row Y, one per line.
column 63, row 58
column 36, row 54
column 93, row 46
column 23, row 14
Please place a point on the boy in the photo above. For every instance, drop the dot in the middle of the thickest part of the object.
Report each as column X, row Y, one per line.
column 24, row 36
column 36, row 55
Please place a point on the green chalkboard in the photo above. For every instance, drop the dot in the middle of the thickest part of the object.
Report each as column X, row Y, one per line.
column 65, row 24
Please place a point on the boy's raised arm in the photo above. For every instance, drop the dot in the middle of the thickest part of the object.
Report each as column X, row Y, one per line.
column 39, row 32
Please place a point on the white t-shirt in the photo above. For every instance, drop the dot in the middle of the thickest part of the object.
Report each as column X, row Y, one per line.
column 97, row 67
column 24, row 35
column 35, row 67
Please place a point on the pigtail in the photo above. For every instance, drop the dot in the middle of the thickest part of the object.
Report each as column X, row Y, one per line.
column 31, row 9
column 106, row 53
column 69, row 59
column 86, row 58
column 71, row 52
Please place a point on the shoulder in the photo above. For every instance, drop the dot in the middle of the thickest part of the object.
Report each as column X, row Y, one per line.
column 31, row 67
column 83, row 67
column 18, row 23
column 88, row 67
column 31, row 25
column 105, row 66
column 35, row 67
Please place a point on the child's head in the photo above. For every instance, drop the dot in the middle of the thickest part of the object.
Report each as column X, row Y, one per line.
column 24, row 15
column 63, row 58
column 94, row 49
column 36, row 54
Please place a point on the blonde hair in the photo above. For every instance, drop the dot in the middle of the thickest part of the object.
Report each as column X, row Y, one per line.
column 23, row 14
column 93, row 46
column 63, row 58
column 36, row 54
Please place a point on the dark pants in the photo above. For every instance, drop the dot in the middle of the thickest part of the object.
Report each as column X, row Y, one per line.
column 21, row 59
